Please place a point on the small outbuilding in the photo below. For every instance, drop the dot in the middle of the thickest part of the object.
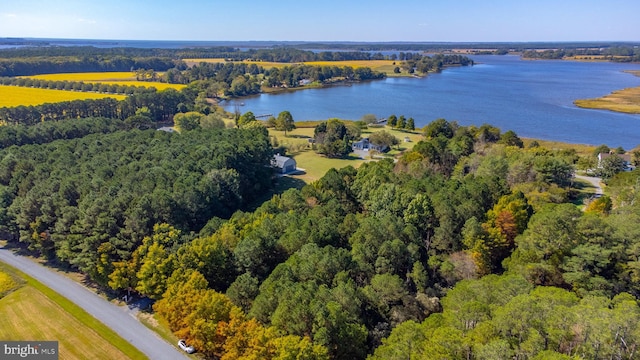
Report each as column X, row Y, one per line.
column 168, row 129
column 283, row 164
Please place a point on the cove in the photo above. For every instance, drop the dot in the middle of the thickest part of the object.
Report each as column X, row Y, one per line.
column 532, row 98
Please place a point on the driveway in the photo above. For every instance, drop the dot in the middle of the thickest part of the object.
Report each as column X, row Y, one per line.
column 594, row 181
column 116, row 317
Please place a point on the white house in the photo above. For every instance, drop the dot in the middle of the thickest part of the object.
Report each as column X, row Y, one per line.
column 283, row 164
column 625, row 157
column 365, row 145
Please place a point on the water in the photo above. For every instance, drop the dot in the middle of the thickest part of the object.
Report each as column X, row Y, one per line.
column 533, row 98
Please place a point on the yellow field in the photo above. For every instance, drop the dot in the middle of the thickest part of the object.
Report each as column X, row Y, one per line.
column 377, row 65
column 118, row 78
column 88, row 76
column 29, row 315
column 192, row 62
column 373, row 64
column 15, row 95
column 6, row 283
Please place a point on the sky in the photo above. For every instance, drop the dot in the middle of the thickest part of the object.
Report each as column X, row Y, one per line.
column 325, row 20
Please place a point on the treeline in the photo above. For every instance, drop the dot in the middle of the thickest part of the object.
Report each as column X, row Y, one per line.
column 49, row 131
column 161, row 104
column 424, row 64
column 293, row 76
column 51, row 65
column 615, row 54
column 278, row 54
column 76, row 85
column 440, row 47
column 289, row 76
column 214, row 80
column 41, row 51
column 221, row 72
column 89, row 202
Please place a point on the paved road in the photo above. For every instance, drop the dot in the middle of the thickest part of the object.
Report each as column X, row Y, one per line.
column 116, row 317
column 594, row 181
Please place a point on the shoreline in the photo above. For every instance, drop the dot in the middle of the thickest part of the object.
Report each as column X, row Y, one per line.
column 624, row 101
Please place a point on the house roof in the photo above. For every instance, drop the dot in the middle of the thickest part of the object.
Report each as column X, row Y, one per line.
column 625, row 157
column 280, row 161
column 167, row 129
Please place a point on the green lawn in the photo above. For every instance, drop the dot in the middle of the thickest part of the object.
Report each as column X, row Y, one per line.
column 316, row 165
column 35, row 312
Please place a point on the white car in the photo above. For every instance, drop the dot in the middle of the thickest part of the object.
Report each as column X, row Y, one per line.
column 187, row 349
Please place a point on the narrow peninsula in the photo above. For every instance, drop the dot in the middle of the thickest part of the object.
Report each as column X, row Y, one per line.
column 625, row 100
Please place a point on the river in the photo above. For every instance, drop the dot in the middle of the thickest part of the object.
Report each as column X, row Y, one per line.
column 532, row 98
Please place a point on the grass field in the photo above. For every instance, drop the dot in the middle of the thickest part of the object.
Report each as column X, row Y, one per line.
column 118, row 78
column 35, row 312
column 17, row 95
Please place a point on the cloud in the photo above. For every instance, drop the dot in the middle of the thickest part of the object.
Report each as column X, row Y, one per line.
column 10, row 15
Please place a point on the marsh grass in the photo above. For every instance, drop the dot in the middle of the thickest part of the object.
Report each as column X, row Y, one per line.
column 625, row 100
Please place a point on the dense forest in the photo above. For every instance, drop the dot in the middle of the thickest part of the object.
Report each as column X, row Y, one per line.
column 50, row 65
column 467, row 248
column 89, row 201
column 46, row 132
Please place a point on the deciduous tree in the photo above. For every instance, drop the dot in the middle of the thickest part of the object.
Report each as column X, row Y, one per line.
column 284, row 122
